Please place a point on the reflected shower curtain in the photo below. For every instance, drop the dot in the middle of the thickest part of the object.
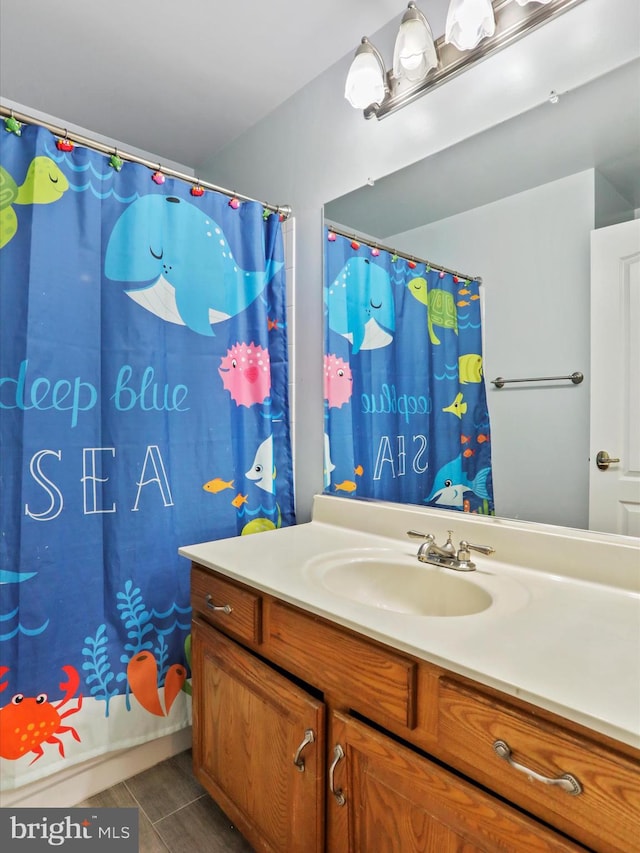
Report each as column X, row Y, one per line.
column 143, row 405
column 406, row 415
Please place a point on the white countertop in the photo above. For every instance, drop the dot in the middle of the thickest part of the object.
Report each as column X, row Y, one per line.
column 565, row 636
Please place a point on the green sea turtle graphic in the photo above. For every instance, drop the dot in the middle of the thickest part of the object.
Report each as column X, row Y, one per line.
column 441, row 309
column 43, row 183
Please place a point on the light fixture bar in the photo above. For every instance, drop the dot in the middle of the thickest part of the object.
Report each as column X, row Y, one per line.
column 512, row 23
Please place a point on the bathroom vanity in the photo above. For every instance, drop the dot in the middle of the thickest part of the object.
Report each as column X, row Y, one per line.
column 347, row 697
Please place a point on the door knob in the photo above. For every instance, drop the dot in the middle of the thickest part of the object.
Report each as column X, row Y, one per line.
column 603, row 460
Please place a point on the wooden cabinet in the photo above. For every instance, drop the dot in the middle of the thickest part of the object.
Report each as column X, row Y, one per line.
column 606, row 811
column 249, row 724
column 376, row 681
column 234, row 609
column 398, row 801
column 402, row 757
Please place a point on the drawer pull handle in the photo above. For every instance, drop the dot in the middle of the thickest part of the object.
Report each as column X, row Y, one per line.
column 225, row 608
column 338, row 753
column 567, row 782
column 308, row 738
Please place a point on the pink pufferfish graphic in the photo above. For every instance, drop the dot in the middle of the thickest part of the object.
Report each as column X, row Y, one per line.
column 246, row 373
column 338, row 381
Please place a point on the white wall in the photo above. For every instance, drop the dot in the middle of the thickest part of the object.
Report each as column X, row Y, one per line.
column 76, row 784
column 611, row 206
column 315, row 147
column 48, row 118
column 536, row 323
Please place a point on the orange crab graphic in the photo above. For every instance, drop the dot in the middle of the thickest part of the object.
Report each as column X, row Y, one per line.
column 28, row 722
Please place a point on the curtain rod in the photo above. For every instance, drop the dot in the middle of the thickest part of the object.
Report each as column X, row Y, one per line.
column 352, row 235
column 282, row 210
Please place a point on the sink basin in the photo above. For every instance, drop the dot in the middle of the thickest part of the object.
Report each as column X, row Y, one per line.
column 389, row 584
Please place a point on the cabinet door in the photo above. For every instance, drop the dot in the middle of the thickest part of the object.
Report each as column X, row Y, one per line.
column 249, row 724
column 394, row 800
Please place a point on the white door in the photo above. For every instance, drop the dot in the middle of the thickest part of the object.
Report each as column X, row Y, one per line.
column 614, row 491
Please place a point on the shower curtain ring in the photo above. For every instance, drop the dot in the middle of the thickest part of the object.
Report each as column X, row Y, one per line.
column 115, row 161
column 64, row 143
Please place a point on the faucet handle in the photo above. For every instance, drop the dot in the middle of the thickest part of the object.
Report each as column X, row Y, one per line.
column 415, row 534
column 449, row 547
column 466, row 547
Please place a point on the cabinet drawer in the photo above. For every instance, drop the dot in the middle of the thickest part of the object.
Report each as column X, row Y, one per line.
column 604, row 815
column 394, row 799
column 375, row 681
column 225, row 604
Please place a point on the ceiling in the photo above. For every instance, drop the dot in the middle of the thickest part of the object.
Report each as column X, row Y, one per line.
column 183, row 80
column 146, row 72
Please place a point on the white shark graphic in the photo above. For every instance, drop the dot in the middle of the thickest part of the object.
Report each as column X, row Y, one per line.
column 262, row 469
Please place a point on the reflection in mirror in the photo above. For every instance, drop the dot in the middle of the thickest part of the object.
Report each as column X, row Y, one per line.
column 516, row 205
column 405, row 405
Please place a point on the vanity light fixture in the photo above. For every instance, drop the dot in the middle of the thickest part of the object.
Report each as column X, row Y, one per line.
column 468, row 22
column 367, row 80
column 475, row 29
column 414, row 54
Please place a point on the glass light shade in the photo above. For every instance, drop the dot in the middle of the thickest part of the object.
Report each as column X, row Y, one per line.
column 415, row 53
column 365, row 80
column 468, row 22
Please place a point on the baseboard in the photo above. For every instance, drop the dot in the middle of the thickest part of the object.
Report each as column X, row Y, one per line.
column 76, row 784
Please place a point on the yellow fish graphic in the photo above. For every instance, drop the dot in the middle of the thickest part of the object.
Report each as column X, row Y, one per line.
column 358, row 471
column 346, row 486
column 239, row 500
column 457, row 408
column 217, row 485
column 470, row 368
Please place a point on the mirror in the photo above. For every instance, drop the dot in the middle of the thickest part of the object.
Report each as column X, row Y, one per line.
column 515, row 205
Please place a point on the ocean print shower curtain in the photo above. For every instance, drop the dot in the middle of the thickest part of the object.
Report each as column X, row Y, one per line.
column 406, row 415
column 143, row 406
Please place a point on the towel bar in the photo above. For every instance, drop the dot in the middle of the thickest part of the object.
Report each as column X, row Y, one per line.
column 576, row 378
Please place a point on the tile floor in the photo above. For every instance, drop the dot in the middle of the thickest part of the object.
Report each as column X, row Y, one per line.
column 175, row 812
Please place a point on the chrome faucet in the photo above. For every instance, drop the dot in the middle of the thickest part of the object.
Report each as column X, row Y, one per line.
column 448, row 555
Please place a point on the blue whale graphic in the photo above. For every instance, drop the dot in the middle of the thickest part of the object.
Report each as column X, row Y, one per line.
column 360, row 304
column 163, row 237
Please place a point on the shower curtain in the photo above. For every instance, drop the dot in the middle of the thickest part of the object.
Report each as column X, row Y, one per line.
column 406, row 415
column 143, row 405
